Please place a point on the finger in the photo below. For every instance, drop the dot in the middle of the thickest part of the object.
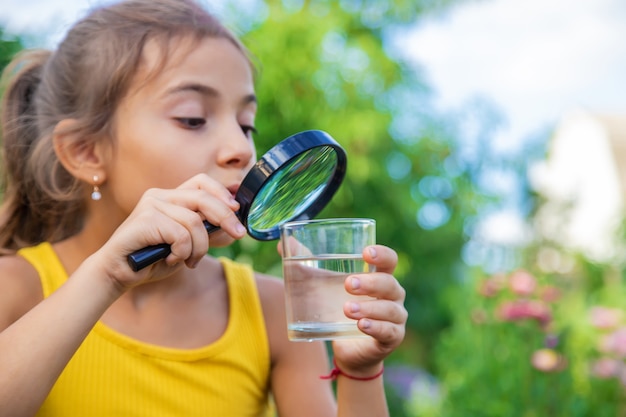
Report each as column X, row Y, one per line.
column 383, row 258
column 198, row 200
column 213, row 187
column 223, row 217
column 377, row 285
column 177, row 226
column 292, row 247
column 153, row 226
column 382, row 310
column 386, row 333
column 191, row 242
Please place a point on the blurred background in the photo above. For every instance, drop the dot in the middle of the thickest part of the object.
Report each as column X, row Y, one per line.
column 488, row 140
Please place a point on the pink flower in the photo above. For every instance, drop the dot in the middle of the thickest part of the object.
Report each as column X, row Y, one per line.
column 606, row 368
column 547, row 360
column 525, row 309
column 605, row 318
column 491, row 286
column 621, row 375
column 550, row 293
column 486, row 289
column 522, row 283
column 615, row 343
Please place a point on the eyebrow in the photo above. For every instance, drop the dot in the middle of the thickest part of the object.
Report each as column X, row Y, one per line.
column 206, row 91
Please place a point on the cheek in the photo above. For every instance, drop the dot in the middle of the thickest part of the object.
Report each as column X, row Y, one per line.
column 166, row 173
column 135, row 170
column 253, row 159
column 156, row 162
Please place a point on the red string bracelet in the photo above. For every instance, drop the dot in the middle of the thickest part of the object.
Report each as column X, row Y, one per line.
column 335, row 372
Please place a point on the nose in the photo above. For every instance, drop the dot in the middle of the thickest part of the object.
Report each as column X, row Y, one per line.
column 236, row 149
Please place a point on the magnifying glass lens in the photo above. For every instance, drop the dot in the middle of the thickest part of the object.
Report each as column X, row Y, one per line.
column 292, row 190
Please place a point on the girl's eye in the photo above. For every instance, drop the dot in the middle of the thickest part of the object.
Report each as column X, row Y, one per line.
column 248, row 130
column 191, row 122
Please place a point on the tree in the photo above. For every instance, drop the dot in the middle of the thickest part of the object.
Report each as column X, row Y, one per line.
column 9, row 46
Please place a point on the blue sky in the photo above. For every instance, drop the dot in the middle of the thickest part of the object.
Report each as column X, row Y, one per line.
column 535, row 59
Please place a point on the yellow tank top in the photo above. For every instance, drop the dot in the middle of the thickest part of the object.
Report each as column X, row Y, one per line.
column 114, row 375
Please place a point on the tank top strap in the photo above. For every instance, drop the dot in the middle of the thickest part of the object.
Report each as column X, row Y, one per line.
column 47, row 264
column 246, row 302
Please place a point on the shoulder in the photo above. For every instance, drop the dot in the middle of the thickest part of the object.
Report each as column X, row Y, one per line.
column 20, row 288
column 270, row 288
column 271, row 295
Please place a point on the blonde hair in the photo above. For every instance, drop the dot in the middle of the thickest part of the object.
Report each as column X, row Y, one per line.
column 84, row 79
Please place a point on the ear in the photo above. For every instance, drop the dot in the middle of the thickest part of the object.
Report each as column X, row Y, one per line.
column 81, row 157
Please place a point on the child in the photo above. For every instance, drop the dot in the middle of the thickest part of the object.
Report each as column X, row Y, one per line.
column 133, row 132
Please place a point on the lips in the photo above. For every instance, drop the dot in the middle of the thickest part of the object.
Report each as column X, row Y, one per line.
column 233, row 189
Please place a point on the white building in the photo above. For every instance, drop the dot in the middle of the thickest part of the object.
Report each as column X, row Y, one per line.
column 583, row 180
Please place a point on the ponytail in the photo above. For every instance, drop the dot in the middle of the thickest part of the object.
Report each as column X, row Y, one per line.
column 20, row 223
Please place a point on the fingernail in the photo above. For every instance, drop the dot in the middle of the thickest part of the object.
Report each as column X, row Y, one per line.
column 354, row 307
column 365, row 324
column 240, row 229
column 372, row 252
column 355, row 283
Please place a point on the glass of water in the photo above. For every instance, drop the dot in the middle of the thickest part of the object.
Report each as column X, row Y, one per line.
column 318, row 255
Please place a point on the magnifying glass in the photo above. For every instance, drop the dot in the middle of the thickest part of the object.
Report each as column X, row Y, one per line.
column 294, row 180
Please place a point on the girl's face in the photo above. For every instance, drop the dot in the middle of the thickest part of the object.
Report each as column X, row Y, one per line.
column 195, row 116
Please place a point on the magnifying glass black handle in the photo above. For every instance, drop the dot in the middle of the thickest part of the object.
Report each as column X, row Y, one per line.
column 150, row 254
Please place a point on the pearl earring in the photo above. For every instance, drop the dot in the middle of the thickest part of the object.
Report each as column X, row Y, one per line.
column 95, row 194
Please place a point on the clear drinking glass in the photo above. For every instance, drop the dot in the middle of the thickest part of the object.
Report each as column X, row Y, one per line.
column 318, row 255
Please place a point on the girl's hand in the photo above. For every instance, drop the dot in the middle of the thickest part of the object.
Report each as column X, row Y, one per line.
column 174, row 217
column 384, row 318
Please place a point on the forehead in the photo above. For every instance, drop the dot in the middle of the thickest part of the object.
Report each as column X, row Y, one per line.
column 216, row 61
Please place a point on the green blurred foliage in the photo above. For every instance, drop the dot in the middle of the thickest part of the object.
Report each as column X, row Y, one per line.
column 490, row 358
column 488, row 361
column 9, row 46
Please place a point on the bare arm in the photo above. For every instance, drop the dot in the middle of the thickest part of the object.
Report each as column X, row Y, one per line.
column 38, row 338
column 384, row 319
column 36, row 347
column 297, row 366
column 296, row 385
